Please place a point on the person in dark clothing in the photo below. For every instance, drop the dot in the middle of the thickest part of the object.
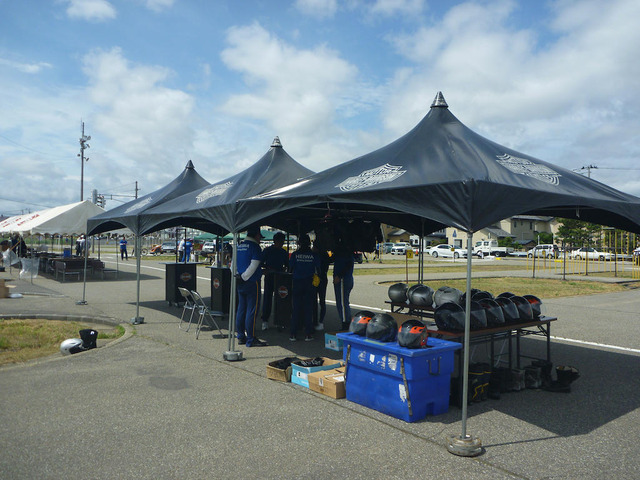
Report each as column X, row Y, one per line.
column 249, row 258
column 322, row 287
column 18, row 246
column 343, row 283
column 303, row 264
column 275, row 259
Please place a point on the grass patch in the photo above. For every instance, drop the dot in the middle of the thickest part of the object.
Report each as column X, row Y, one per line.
column 22, row 340
column 540, row 287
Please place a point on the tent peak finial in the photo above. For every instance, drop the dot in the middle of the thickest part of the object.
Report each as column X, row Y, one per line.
column 276, row 142
column 189, row 165
column 439, row 101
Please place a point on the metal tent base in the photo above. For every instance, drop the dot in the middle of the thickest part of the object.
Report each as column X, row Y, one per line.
column 137, row 320
column 464, row 447
column 232, row 356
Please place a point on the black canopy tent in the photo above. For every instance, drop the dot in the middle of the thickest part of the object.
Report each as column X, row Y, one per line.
column 442, row 173
column 214, row 208
column 128, row 215
column 439, row 174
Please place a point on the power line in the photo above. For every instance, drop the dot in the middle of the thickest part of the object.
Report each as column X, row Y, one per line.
column 30, row 149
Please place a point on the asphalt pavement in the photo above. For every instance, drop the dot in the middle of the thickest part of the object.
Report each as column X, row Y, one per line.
column 161, row 404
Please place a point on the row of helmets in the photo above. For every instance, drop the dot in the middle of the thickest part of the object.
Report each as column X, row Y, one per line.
column 486, row 311
column 383, row 328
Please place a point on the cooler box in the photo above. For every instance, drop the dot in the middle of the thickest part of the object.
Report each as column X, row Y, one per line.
column 405, row 383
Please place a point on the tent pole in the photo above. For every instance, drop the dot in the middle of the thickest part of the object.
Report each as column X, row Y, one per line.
column 84, row 280
column 466, row 445
column 233, row 355
column 137, row 319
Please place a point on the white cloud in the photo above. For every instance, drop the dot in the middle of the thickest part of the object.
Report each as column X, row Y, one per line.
column 146, row 123
column 93, row 10
column 317, row 8
column 540, row 95
column 158, row 5
column 291, row 90
column 25, row 67
column 388, row 8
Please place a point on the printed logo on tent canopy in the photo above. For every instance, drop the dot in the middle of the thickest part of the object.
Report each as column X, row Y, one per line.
column 214, row 191
column 383, row 174
column 522, row 166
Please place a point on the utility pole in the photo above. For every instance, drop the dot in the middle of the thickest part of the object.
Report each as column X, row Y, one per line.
column 83, row 145
column 588, row 169
column 137, row 189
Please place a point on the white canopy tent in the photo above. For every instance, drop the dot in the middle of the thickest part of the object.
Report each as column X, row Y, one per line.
column 68, row 219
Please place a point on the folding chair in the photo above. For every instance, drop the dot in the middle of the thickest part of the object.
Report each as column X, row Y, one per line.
column 189, row 304
column 203, row 312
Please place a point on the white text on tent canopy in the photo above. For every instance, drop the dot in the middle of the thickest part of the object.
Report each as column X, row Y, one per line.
column 383, row 174
column 214, row 191
column 522, row 166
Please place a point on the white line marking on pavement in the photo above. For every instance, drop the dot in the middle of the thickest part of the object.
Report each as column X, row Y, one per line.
column 596, row 344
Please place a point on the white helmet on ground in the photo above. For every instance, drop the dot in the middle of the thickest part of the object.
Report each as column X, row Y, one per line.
column 71, row 345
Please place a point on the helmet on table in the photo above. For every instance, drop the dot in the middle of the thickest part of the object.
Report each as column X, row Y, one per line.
column 359, row 322
column 413, row 334
column 382, row 327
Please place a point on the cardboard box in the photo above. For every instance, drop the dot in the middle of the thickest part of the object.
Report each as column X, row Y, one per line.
column 279, row 374
column 329, row 382
column 332, row 342
column 299, row 374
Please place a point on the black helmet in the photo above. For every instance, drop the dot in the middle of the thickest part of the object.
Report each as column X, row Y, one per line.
column 536, row 305
column 495, row 316
column 449, row 316
column 509, row 309
column 447, row 294
column 413, row 334
column 478, row 316
column 506, row 295
column 359, row 322
column 463, row 297
column 382, row 327
column 479, row 295
column 421, row 295
column 524, row 308
column 398, row 292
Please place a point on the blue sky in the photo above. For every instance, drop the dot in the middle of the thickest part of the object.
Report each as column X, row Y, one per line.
column 161, row 82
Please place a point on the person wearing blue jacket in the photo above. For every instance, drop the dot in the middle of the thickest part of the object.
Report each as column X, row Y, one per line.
column 343, row 283
column 249, row 258
column 303, row 265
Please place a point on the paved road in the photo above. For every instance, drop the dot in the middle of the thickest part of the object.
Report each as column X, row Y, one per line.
column 161, row 404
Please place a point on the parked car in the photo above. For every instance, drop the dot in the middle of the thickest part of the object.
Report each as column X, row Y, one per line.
column 447, row 251
column 208, row 247
column 590, row 253
column 544, row 250
column 168, row 247
column 400, row 248
column 486, row 248
column 387, row 246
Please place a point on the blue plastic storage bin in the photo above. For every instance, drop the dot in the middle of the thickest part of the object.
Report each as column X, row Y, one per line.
column 375, row 376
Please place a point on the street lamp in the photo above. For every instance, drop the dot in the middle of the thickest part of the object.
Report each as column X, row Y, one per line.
column 83, row 145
